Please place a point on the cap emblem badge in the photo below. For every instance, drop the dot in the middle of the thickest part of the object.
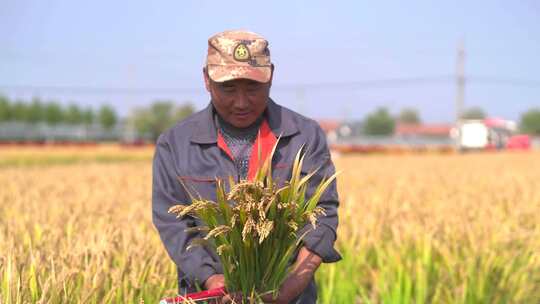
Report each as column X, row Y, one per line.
column 241, row 52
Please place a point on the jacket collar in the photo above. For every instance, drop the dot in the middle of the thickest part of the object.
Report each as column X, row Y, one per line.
column 279, row 119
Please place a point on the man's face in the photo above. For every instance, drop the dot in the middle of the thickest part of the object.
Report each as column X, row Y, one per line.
column 239, row 102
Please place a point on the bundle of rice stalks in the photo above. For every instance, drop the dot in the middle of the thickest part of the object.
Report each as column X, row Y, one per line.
column 253, row 228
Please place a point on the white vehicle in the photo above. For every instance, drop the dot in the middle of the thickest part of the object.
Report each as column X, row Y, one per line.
column 472, row 135
column 488, row 134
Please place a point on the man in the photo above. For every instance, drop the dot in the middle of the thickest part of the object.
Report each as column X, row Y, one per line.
column 223, row 140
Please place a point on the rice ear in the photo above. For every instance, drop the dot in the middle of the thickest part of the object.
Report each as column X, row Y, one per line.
column 197, row 229
column 222, row 248
column 177, row 209
column 182, row 210
column 219, row 230
column 197, row 242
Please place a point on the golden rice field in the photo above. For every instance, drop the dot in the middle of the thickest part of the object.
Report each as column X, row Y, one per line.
column 76, row 228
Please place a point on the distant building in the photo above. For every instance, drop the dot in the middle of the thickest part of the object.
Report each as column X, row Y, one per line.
column 330, row 127
column 423, row 130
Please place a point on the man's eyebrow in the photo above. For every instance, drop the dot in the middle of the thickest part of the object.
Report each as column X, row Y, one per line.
column 227, row 84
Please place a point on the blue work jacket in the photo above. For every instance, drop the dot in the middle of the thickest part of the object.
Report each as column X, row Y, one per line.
column 193, row 153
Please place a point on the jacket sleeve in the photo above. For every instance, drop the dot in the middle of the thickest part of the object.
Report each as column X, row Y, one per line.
column 197, row 264
column 321, row 239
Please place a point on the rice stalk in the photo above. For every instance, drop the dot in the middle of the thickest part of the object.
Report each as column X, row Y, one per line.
column 253, row 226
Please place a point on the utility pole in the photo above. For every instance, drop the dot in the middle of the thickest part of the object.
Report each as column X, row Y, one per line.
column 460, row 80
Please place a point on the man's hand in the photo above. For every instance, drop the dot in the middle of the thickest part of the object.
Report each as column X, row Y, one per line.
column 215, row 281
column 304, row 268
column 218, row 281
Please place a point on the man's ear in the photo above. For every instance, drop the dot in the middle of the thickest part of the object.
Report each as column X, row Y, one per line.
column 271, row 74
column 206, row 79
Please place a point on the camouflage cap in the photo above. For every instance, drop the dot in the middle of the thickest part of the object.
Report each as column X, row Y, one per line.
column 238, row 54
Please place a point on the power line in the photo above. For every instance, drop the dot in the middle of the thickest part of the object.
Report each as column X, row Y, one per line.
column 488, row 80
column 379, row 83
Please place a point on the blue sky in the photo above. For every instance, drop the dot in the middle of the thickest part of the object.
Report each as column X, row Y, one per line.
column 72, row 50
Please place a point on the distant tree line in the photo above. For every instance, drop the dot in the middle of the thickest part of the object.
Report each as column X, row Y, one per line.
column 147, row 122
column 53, row 113
column 530, row 122
column 382, row 123
column 152, row 120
